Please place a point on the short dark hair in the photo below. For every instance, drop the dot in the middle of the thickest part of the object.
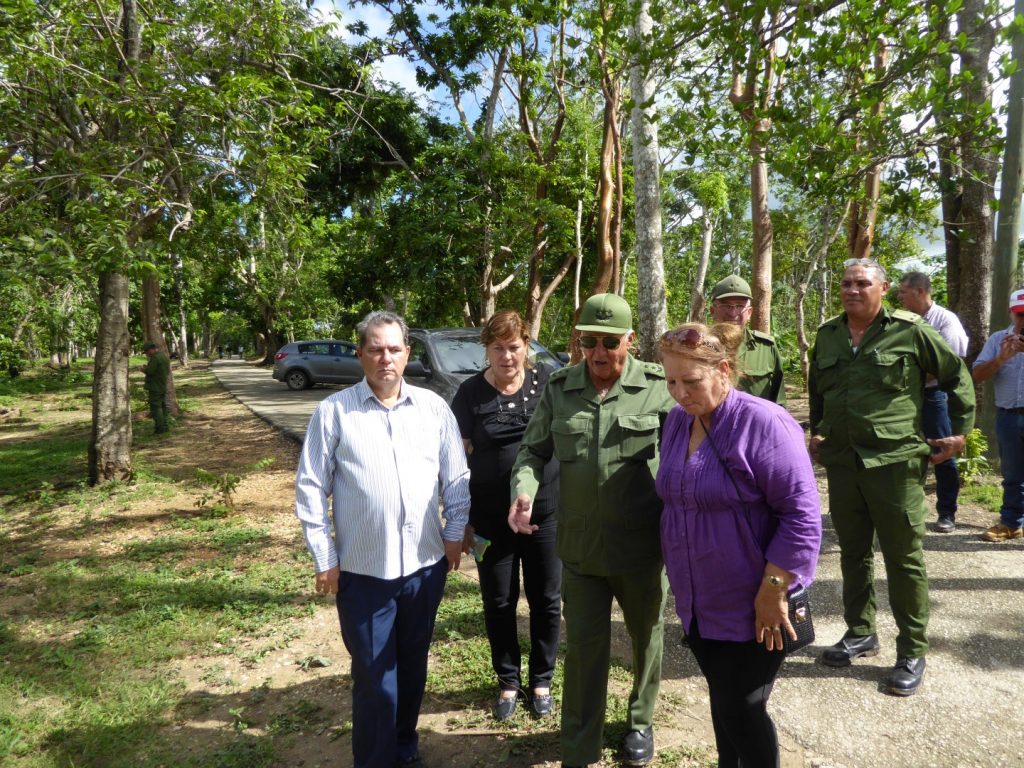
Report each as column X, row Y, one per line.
column 919, row 281
column 373, row 319
column 148, row 346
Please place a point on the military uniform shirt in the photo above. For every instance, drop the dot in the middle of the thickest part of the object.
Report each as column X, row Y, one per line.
column 761, row 367
column 867, row 403
column 609, row 512
column 158, row 368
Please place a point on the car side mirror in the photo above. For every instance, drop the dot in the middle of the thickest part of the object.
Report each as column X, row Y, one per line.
column 417, row 370
column 563, row 356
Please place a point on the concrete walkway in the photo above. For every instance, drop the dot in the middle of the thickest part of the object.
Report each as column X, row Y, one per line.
column 970, row 709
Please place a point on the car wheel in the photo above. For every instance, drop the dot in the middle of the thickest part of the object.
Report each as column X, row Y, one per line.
column 297, row 380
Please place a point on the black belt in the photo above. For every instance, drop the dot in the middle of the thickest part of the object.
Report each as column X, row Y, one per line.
column 1013, row 410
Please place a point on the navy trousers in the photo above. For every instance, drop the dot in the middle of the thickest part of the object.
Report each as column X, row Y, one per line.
column 935, row 423
column 387, row 626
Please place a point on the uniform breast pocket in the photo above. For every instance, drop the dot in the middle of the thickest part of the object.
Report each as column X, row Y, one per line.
column 827, row 372
column 571, row 438
column 638, row 436
column 890, row 371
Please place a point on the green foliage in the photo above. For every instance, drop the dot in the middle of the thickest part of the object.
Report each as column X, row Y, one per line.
column 13, row 356
column 972, row 463
column 220, row 489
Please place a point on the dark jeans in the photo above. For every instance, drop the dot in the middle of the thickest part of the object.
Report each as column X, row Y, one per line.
column 935, row 423
column 740, row 678
column 499, row 588
column 1010, row 433
column 387, row 626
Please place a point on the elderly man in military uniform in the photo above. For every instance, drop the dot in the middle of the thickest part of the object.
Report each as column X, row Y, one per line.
column 759, row 360
column 601, row 418
column 868, row 369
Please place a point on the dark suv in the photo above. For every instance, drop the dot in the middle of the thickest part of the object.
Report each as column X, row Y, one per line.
column 443, row 358
column 440, row 360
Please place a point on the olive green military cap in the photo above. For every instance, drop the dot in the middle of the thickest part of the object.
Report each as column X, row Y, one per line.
column 605, row 313
column 733, row 285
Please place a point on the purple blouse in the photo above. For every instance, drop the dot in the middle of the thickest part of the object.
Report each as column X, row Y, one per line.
column 715, row 543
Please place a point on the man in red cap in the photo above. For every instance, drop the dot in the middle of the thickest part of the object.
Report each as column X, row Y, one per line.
column 1001, row 361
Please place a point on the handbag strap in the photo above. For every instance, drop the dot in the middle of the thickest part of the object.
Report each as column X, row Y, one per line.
column 728, row 472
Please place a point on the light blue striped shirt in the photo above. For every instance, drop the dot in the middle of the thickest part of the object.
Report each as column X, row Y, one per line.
column 381, row 467
column 1008, row 383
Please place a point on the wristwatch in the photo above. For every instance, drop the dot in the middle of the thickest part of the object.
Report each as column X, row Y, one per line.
column 776, row 581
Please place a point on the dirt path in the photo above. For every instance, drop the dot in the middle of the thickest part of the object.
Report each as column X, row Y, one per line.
column 964, row 715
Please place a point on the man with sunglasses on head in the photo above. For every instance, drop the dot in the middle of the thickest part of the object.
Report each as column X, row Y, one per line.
column 866, row 381
column 760, row 365
column 602, row 419
column 1001, row 360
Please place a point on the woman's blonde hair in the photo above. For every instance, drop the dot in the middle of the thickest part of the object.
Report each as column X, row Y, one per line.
column 709, row 345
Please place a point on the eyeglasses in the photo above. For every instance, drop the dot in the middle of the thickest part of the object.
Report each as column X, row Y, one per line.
column 608, row 342
column 690, row 337
column 728, row 307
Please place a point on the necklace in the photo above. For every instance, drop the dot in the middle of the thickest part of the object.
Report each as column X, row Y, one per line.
column 514, row 415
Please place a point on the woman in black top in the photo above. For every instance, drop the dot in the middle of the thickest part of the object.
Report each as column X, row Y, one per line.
column 492, row 409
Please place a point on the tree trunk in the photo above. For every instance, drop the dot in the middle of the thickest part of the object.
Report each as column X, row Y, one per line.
column 607, row 269
column 761, row 272
column 110, row 446
column 949, row 160
column 979, row 174
column 152, row 330
column 697, row 296
column 179, row 289
column 1011, row 186
column 864, row 212
column 650, row 267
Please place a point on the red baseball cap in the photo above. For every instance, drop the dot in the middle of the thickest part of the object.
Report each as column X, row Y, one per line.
column 1017, row 301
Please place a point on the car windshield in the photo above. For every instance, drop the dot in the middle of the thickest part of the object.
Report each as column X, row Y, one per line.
column 466, row 355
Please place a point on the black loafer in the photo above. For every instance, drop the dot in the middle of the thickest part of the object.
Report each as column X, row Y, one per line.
column 905, row 678
column 849, row 648
column 638, row 747
column 505, row 708
column 945, row 525
column 541, row 704
column 412, row 762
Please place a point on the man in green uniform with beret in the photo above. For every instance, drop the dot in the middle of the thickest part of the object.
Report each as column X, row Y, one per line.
column 602, row 419
column 867, row 372
column 157, row 370
column 759, row 360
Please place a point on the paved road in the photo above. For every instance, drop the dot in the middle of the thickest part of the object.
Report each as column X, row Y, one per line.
column 271, row 400
column 967, row 713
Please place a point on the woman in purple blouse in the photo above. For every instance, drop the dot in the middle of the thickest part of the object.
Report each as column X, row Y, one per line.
column 741, row 528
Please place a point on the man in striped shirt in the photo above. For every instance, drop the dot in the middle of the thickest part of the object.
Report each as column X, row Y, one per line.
column 380, row 450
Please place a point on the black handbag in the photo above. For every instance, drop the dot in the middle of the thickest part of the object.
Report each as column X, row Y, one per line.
column 800, row 616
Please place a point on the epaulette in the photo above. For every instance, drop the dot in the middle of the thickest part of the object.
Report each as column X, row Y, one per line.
column 652, row 369
column 906, row 316
column 765, row 337
column 561, row 373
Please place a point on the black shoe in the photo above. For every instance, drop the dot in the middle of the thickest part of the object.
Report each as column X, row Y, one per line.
column 638, row 747
column 505, row 708
column 412, row 762
column 541, row 704
column 849, row 648
column 905, row 678
column 945, row 525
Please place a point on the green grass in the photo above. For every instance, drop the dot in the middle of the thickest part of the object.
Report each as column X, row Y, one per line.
column 88, row 632
column 989, row 495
